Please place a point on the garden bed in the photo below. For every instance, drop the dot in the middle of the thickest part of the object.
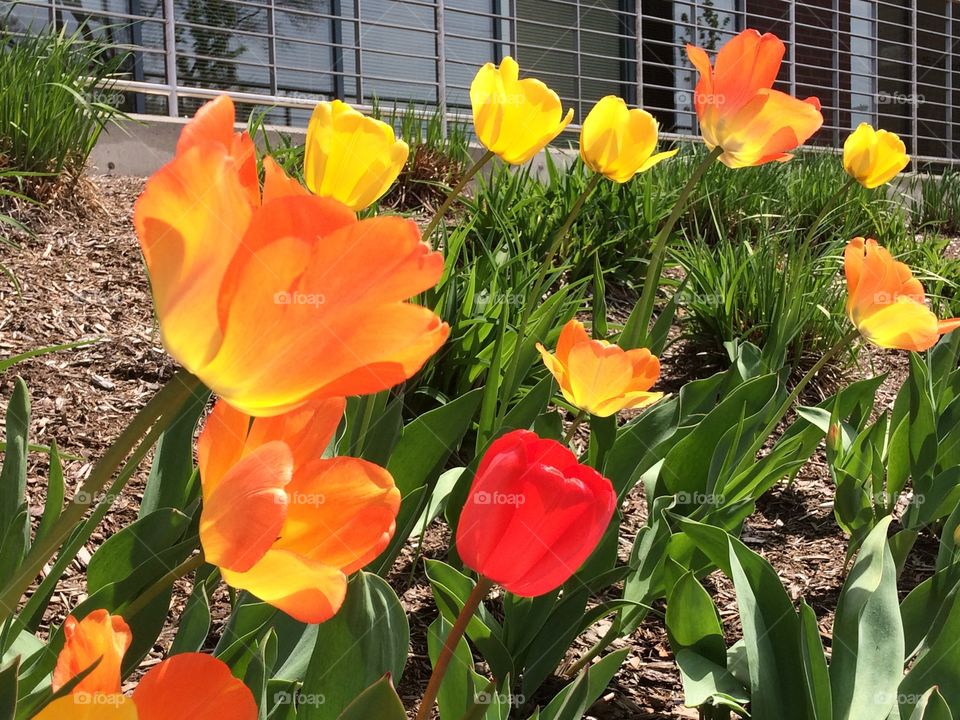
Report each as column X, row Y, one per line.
column 82, row 278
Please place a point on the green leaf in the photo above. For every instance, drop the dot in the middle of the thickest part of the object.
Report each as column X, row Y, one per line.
column 573, row 701
column 692, row 621
column 705, row 682
column 815, row 672
column 13, row 474
column 457, row 691
column 53, row 504
column 932, row 706
column 194, row 624
column 770, row 631
column 8, row 688
column 379, row 701
column 365, row 640
column 171, row 482
column 134, row 545
column 868, row 645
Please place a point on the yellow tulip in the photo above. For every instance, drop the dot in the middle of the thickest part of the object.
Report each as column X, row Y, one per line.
column 351, row 157
column 618, row 142
column 515, row 119
column 874, row 157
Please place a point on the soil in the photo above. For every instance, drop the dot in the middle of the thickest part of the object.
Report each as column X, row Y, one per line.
column 81, row 279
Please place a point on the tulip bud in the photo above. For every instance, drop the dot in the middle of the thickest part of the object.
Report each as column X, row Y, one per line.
column 534, row 514
column 351, row 157
column 874, row 157
column 515, row 119
column 618, row 142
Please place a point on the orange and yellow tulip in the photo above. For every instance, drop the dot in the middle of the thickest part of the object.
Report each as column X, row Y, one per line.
column 599, row 377
column 189, row 685
column 98, row 636
column 886, row 303
column 515, row 119
column 619, row 142
column 351, row 157
column 274, row 299
column 739, row 111
column 874, row 157
column 278, row 519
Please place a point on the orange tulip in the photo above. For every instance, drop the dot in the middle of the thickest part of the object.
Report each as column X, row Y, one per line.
column 599, row 377
column 280, row 521
column 190, row 685
column 738, row 110
column 276, row 299
column 886, row 303
column 98, row 636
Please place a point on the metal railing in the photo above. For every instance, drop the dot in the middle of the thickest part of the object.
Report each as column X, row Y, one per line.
column 893, row 64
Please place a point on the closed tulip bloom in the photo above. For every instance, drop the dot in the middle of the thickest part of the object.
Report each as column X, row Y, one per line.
column 738, row 109
column 351, row 157
column 281, row 521
column 599, row 377
column 534, row 514
column 98, row 636
column 189, row 685
column 619, row 142
column 886, row 303
column 874, row 157
column 275, row 299
column 513, row 118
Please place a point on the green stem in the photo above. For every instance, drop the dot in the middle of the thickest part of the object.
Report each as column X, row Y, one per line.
column 841, row 345
column 608, row 637
column 537, row 289
column 827, row 209
column 638, row 325
column 568, row 436
column 477, row 595
column 162, row 410
column 455, row 193
column 148, row 595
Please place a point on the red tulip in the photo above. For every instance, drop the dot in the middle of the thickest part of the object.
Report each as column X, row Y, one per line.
column 534, row 514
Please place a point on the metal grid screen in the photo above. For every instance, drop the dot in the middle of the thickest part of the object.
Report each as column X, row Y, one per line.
column 894, row 64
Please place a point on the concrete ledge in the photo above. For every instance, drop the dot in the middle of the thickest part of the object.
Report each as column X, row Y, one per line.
column 143, row 145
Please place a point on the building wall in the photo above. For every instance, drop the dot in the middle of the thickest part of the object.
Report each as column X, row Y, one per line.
column 887, row 62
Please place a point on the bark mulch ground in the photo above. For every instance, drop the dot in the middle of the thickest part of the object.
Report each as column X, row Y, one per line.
column 82, row 278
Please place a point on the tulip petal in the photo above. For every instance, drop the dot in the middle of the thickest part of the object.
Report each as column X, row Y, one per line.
column 598, row 373
column 243, row 514
column 214, row 123
column 343, row 328
column 98, row 636
column 749, row 62
column 307, row 431
column 903, row 325
column 190, row 220
column 221, row 443
column 342, row 512
column 768, row 126
column 305, row 589
column 195, row 686
column 277, row 184
column 101, row 707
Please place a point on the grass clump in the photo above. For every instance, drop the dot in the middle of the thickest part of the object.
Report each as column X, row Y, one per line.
column 51, row 109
